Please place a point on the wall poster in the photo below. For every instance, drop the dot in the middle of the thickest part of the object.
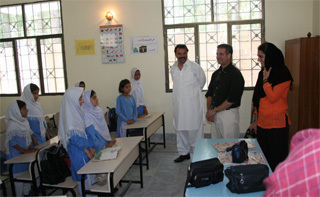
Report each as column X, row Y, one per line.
column 85, row 47
column 112, row 46
column 144, row 44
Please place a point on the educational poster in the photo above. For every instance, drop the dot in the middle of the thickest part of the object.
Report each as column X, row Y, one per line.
column 85, row 47
column 112, row 46
column 144, row 44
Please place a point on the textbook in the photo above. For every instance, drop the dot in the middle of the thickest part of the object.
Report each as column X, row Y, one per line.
column 107, row 153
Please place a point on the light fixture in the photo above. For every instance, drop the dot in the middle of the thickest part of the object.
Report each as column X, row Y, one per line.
column 109, row 16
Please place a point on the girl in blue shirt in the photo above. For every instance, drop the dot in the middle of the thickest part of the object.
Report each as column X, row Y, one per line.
column 18, row 141
column 126, row 108
column 73, row 136
column 96, row 126
column 36, row 119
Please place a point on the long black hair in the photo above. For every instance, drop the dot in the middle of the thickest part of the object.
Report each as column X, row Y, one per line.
column 275, row 59
column 278, row 74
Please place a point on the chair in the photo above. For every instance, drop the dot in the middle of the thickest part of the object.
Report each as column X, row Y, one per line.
column 52, row 130
column 29, row 176
column 3, row 126
column 56, row 119
column 68, row 185
column 4, row 178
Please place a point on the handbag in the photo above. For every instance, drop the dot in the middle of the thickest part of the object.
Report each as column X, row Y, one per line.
column 239, row 152
column 246, row 178
column 205, row 172
column 250, row 134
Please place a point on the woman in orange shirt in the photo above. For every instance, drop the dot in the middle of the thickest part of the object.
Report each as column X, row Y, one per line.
column 270, row 102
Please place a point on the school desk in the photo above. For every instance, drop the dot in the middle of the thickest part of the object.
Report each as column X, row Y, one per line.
column 150, row 125
column 205, row 150
column 30, row 175
column 115, row 168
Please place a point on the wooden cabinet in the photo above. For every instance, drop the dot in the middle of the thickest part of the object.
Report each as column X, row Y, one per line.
column 302, row 59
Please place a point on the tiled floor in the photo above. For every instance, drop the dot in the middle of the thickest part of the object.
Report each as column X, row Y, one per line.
column 164, row 177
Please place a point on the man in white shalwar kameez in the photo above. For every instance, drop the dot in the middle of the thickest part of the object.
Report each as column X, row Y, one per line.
column 188, row 104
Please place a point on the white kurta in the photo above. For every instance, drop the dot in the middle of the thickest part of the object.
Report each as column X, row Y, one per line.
column 188, row 102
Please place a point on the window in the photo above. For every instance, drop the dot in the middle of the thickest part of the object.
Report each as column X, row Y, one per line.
column 204, row 24
column 32, row 48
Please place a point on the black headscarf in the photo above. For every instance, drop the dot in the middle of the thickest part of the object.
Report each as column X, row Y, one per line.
column 279, row 73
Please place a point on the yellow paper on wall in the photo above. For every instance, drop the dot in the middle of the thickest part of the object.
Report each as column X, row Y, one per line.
column 85, row 47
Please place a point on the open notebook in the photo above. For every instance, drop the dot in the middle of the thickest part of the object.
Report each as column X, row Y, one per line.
column 107, row 153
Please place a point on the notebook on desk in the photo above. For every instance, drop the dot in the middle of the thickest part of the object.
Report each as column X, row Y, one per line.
column 107, row 154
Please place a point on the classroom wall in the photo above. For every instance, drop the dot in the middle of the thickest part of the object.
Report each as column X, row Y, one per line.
column 285, row 19
column 316, row 17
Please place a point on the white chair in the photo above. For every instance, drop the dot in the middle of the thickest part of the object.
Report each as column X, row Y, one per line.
column 3, row 126
column 56, row 119
column 29, row 176
column 68, row 185
column 4, row 178
column 52, row 130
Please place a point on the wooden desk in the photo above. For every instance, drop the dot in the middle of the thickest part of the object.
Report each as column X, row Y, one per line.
column 150, row 125
column 116, row 168
column 205, row 150
column 31, row 175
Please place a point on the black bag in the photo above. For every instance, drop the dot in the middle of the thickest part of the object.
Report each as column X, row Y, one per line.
column 246, row 178
column 134, row 132
column 239, row 152
column 113, row 117
column 54, row 169
column 204, row 173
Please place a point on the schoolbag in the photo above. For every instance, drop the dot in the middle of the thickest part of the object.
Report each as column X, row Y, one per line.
column 113, row 119
column 205, row 172
column 54, row 168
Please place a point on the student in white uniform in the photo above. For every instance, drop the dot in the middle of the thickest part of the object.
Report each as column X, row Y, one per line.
column 188, row 105
column 80, row 84
column 137, row 92
column 18, row 141
column 73, row 136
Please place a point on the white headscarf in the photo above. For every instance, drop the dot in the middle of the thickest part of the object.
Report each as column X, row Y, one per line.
column 71, row 118
column 16, row 125
column 34, row 109
column 93, row 115
column 137, row 89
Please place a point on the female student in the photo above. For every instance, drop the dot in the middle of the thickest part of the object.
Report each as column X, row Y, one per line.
column 96, row 126
column 72, row 134
column 270, row 103
column 137, row 92
column 18, row 141
column 36, row 119
column 126, row 108
column 80, row 84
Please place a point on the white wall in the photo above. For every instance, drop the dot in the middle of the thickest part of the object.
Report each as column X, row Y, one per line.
column 285, row 19
column 288, row 19
column 316, row 18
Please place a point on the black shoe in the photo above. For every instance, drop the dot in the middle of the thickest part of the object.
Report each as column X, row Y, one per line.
column 143, row 150
column 181, row 158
